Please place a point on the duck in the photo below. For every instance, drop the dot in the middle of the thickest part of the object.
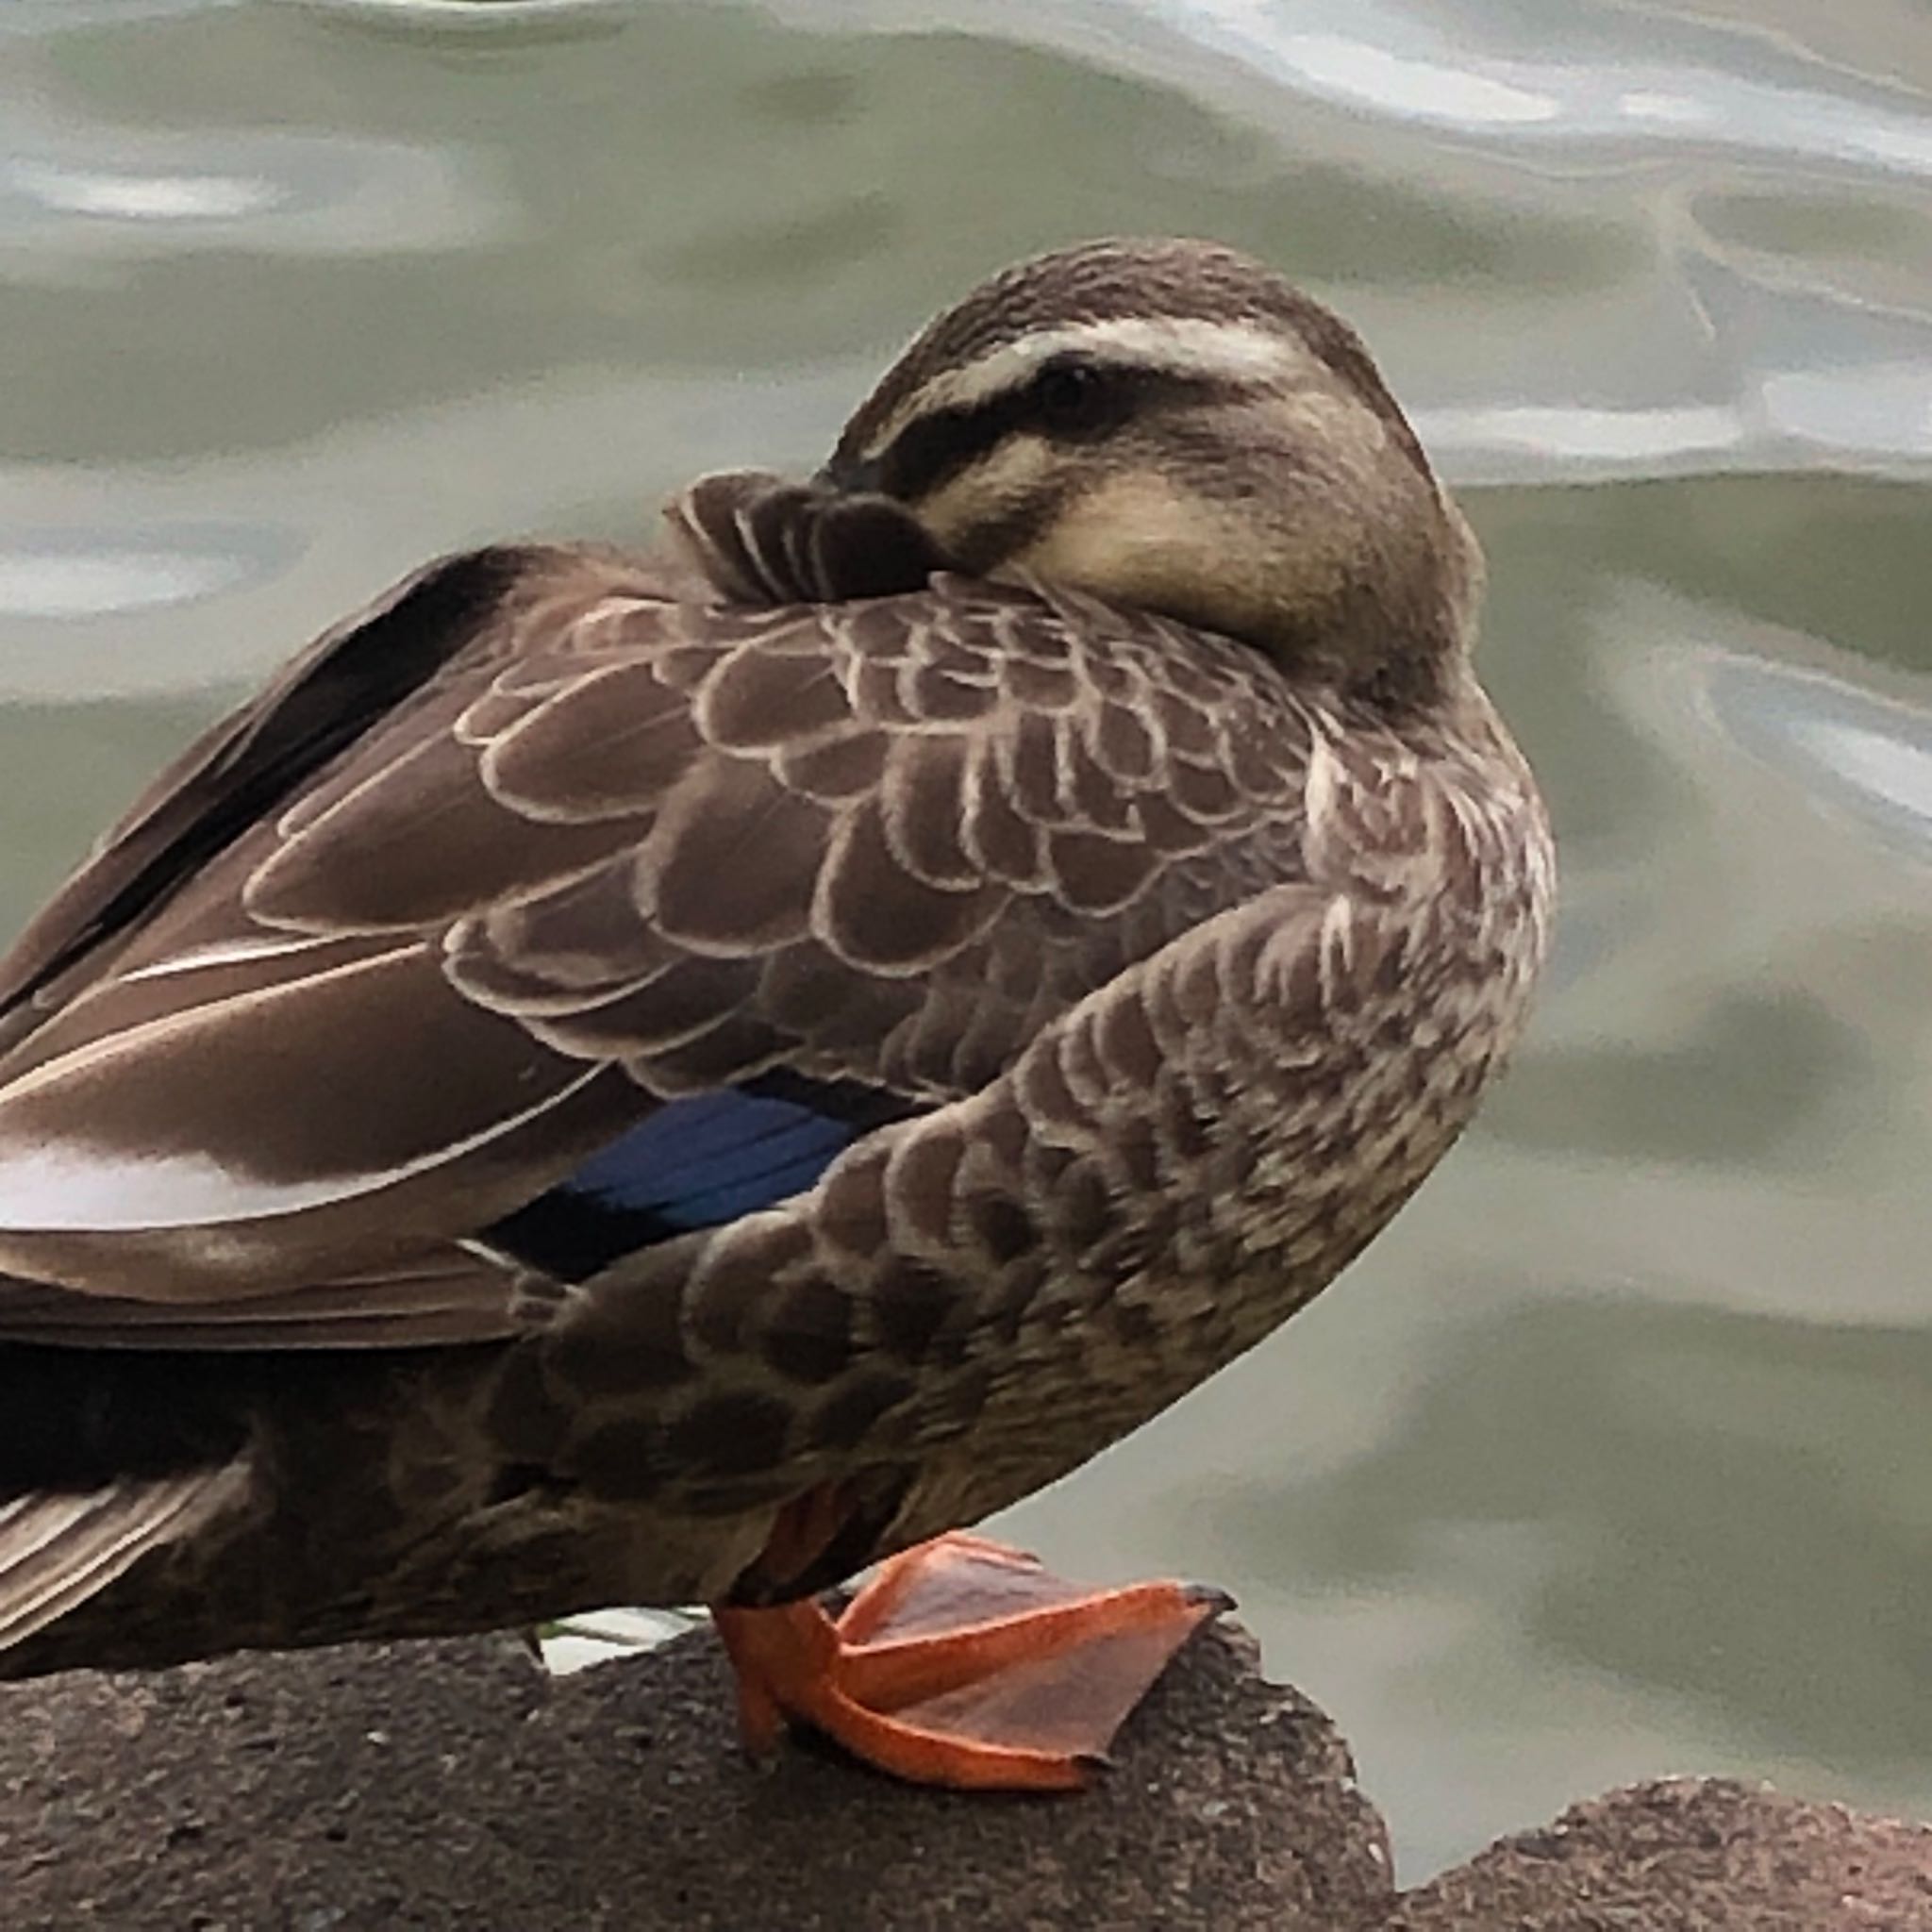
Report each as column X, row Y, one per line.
column 689, row 1074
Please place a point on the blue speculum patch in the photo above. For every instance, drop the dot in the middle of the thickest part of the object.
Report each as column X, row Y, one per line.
column 713, row 1157
column 697, row 1161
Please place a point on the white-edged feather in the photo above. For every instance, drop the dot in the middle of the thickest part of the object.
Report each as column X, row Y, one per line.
column 63, row 1185
column 57, row 1551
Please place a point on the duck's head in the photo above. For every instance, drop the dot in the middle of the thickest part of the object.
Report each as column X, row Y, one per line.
column 1169, row 425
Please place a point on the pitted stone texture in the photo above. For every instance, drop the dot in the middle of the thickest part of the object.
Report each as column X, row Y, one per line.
column 1688, row 1854
column 451, row 1784
column 454, row 1785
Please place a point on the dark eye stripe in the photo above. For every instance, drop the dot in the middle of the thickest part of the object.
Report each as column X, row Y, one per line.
column 931, row 451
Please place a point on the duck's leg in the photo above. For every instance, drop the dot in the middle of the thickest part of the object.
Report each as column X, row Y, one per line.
column 963, row 1663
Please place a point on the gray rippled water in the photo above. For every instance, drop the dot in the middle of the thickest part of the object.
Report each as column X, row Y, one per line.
column 1610, row 1457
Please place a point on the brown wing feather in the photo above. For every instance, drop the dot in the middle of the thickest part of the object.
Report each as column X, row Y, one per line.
column 399, row 947
column 245, row 764
column 441, row 1294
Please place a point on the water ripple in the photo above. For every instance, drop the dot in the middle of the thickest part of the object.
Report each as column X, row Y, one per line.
column 1582, row 79
column 1855, row 751
column 90, row 192
column 54, row 574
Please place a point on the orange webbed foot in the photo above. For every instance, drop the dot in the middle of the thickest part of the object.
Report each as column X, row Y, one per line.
column 964, row 1663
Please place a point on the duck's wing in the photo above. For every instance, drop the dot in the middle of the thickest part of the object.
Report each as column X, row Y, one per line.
column 441, row 922
column 244, row 765
column 462, row 616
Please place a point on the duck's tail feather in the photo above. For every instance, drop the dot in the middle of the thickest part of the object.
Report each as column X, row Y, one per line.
column 58, row 1549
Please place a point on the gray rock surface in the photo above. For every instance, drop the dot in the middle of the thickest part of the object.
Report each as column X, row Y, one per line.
column 454, row 1783
column 1689, row 1855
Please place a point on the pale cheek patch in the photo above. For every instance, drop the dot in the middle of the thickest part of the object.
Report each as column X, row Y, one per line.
column 1134, row 539
column 986, row 492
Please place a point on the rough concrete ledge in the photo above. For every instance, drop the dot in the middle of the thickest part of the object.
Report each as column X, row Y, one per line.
column 456, row 1785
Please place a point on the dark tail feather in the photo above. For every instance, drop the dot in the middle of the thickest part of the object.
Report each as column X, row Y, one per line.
column 57, row 1550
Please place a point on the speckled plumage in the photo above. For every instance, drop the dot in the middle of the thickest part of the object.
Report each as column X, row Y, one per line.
column 1167, row 967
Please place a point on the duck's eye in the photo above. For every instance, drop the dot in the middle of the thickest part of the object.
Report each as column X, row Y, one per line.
column 1070, row 396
